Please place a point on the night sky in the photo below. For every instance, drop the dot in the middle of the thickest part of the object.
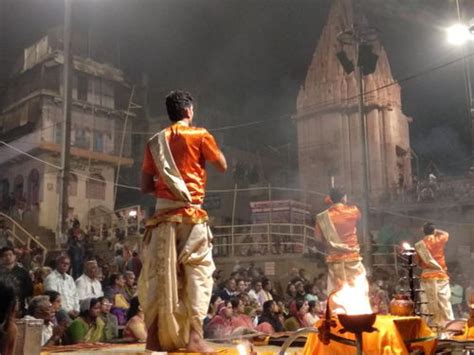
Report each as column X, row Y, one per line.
column 245, row 60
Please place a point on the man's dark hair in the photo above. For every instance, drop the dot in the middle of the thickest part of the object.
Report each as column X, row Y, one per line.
column 53, row 295
column 428, row 228
column 336, row 194
column 176, row 102
column 5, row 249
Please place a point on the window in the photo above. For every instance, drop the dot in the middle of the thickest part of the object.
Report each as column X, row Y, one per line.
column 18, row 187
column 81, row 138
column 58, row 133
column 95, row 187
column 98, row 141
column 33, row 187
column 82, row 87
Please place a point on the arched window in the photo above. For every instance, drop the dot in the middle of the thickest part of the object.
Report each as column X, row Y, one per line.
column 18, row 185
column 33, row 187
column 72, row 187
column 95, row 187
column 5, row 191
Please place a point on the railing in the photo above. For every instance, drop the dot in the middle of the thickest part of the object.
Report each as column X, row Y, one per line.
column 21, row 235
column 386, row 255
column 263, row 239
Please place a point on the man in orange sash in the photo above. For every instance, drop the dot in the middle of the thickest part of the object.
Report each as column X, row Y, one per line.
column 175, row 283
column 337, row 227
column 434, row 279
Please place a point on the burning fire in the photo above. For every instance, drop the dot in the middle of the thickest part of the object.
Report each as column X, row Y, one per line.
column 406, row 246
column 352, row 298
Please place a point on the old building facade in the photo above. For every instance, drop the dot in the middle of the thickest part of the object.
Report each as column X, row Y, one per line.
column 31, row 128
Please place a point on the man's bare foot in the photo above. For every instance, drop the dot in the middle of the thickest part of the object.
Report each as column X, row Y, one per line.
column 152, row 341
column 197, row 344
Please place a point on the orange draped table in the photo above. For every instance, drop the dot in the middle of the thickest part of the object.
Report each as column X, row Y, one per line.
column 391, row 338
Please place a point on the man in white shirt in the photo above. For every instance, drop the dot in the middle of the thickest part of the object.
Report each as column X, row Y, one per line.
column 88, row 284
column 60, row 281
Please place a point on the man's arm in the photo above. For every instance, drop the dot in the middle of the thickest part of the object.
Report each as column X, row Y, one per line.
column 220, row 164
column 147, row 183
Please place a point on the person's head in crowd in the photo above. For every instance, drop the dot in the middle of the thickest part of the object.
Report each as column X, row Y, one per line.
column 129, row 279
column 216, row 300
column 135, row 254
column 91, row 269
column 117, row 280
column 241, row 286
column 8, row 328
column 119, row 253
column 63, row 263
column 299, row 285
column 313, row 307
column 266, row 285
column 312, row 289
column 8, row 257
column 257, row 286
column 291, row 290
column 302, row 274
column 270, row 308
column 105, row 305
column 225, row 310
column 54, row 299
column 89, row 308
column 231, row 285
column 245, row 298
column 134, row 309
column 238, row 306
column 41, row 308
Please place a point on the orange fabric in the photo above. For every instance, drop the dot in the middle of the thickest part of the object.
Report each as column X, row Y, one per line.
column 435, row 244
column 345, row 219
column 191, row 148
column 389, row 339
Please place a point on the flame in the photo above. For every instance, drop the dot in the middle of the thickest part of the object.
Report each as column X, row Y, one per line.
column 352, row 298
column 406, row 246
column 243, row 348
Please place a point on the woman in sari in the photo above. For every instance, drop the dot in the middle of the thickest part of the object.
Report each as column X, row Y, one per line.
column 298, row 310
column 88, row 327
column 220, row 325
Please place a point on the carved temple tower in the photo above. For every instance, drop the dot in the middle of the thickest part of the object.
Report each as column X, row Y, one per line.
column 328, row 125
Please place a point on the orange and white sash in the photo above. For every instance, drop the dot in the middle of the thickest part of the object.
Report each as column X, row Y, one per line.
column 164, row 161
column 425, row 255
column 330, row 234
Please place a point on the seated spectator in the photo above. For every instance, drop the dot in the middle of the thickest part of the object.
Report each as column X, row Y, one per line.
column 130, row 285
column 311, row 293
column 216, row 300
column 290, row 293
column 269, row 321
column 59, row 314
column 88, row 284
column 135, row 328
column 265, row 293
column 239, row 318
column 241, row 287
column 116, row 293
column 220, row 326
column 110, row 320
column 312, row 316
column 41, row 308
column 135, row 264
column 19, row 274
column 230, row 290
column 60, row 281
column 379, row 300
column 298, row 310
column 8, row 328
column 88, row 327
column 300, row 290
column 257, row 287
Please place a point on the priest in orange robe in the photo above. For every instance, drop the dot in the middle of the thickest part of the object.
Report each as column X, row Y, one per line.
column 434, row 279
column 175, row 283
column 337, row 228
